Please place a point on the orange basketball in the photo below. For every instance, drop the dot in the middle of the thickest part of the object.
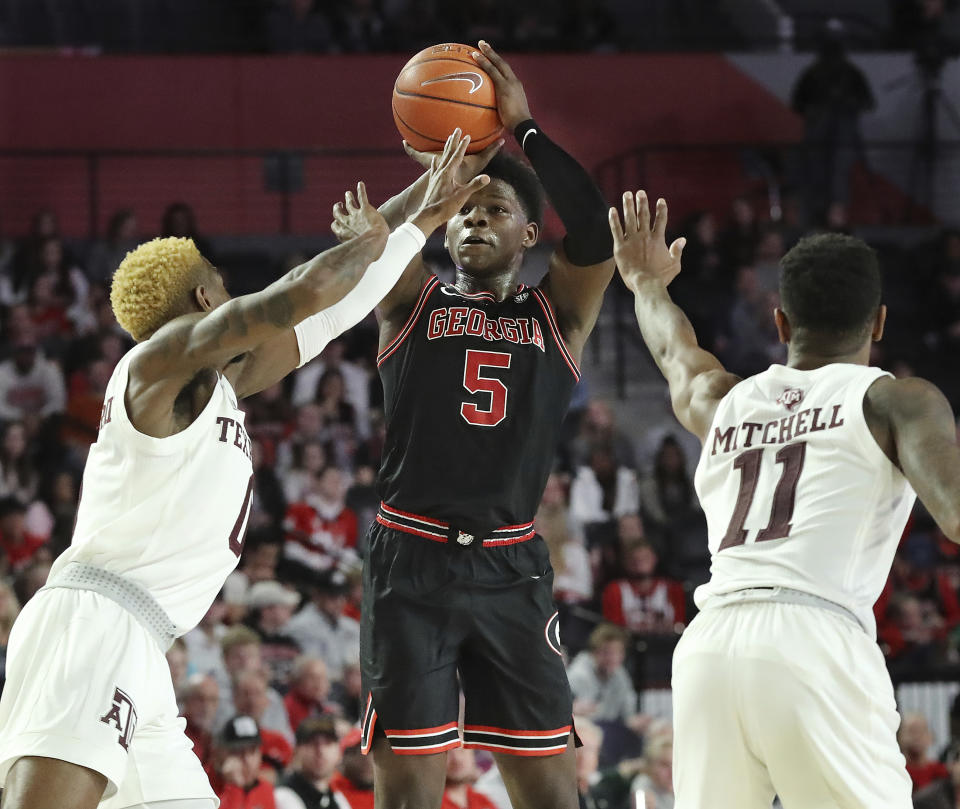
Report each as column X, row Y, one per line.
column 440, row 89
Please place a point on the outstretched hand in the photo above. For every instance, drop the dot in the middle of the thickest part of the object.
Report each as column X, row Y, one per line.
column 640, row 249
column 471, row 165
column 355, row 216
column 511, row 98
column 445, row 194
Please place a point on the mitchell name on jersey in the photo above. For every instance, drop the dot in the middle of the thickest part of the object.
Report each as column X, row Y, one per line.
column 779, row 431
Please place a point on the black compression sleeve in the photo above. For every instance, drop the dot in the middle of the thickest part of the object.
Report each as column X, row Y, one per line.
column 573, row 194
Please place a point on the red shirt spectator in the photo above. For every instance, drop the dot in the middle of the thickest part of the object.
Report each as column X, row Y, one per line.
column 461, row 773
column 16, row 543
column 915, row 740
column 309, row 689
column 236, row 767
column 355, row 779
column 642, row 602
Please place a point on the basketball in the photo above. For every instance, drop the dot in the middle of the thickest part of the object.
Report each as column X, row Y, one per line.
column 440, row 89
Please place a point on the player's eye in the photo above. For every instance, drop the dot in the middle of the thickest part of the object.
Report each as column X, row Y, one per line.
column 464, row 210
column 499, row 209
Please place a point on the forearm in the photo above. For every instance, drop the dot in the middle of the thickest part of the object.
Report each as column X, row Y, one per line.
column 572, row 193
column 666, row 330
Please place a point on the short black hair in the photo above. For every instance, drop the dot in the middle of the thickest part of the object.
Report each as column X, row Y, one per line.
column 522, row 179
column 830, row 284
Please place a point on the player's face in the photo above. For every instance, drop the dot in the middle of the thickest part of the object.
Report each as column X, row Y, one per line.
column 490, row 230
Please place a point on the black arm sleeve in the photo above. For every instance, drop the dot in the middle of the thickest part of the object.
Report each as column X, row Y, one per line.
column 573, row 194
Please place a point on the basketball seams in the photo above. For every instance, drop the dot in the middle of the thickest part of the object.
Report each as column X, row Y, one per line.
column 441, row 98
column 415, row 131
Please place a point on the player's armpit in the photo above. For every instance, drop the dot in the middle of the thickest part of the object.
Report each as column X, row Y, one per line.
column 696, row 394
column 577, row 296
column 914, row 425
column 265, row 365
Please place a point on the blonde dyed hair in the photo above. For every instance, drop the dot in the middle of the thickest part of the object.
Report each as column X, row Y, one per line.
column 152, row 281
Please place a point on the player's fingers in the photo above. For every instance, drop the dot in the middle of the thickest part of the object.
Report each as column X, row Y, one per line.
column 453, row 141
column 489, row 66
column 351, row 202
column 643, row 211
column 338, row 210
column 660, row 218
column 494, row 57
column 613, row 217
column 630, row 224
column 676, row 249
column 362, row 194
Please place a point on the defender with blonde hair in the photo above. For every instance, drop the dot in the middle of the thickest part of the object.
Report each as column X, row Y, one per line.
column 88, row 714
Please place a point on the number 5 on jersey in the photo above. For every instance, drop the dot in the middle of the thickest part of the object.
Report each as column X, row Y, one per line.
column 475, row 382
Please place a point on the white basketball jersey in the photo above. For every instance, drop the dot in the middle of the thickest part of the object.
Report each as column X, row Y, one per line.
column 796, row 491
column 167, row 513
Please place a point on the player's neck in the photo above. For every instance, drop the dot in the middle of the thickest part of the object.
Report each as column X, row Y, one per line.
column 807, row 358
column 500, row 284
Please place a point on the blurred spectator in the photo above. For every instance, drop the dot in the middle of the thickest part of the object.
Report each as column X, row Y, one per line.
column 258, row 563
column 32, row 577
column 61, row 497
column 309, row 460
column 363, row 500
column 9, row 610
column 573, row 578
column 359, row 26
column 830, row 94
column 200, row 697
column 271, row 607
column 204, row 640
column 320, row 531
column 18, row 474
column 26, row 261
column 308, row 426
column 316, row 757
column 462, row 774
column 321, row 628
column 915, row 742
column 655, row 784
column 641, row 601
column 68, row 290
column 667, row 496
column 269, row 504
column 180, row 220
column 18, row 545
column 602, row 690
column 942, row 793
column 912, row 638
column 236, row 767
column 177, row 663
column 356, row 382
column 123, row 234
column 347, row 692
column 738, row 240
column 241, row 654
column 331, row 396
column 603, row 491
column 270, row 414
column 355, row 779
column 751, row 343
column 81, row 422
column 252, row 696
column 598, row 428
column 309, row 690
column 296, row 26
column 31, row 386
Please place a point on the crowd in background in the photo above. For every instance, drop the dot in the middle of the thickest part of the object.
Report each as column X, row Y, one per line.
column 269, row 682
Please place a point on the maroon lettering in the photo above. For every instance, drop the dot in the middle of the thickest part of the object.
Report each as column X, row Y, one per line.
column 816, row 420
column 123, row 716
column 509, row 327
column 749, row 465
column 455, row 327
column 785, row 495
column 750, row 426
column 802, row 423
column 438, row 322
column 105, row 413
column 766, row 439
column 786, row 429
column 726, row 437
column 238, row 534
column 835, row 420
column 224, row 423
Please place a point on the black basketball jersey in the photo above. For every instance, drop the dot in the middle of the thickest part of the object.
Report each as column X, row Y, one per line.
column 475, row 393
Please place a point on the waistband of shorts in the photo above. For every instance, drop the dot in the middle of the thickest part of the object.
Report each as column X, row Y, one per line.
column 444, row 532
column 783, row 595
column 133, row 597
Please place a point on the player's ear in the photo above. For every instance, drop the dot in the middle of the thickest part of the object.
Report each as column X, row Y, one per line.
column 878, row 324
column 202, row 298
column 531, row 235
column 783, row 325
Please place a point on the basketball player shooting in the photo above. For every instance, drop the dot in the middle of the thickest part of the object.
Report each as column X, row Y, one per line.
column 88, row 713
column 477, row 377
column 807, row 476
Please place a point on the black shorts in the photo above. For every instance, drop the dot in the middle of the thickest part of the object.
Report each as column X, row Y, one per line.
column 433, row 610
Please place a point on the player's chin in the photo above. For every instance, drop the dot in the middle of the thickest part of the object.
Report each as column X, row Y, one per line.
column 486, row 262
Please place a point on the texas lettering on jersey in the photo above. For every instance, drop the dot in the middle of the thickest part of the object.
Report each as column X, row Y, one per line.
column 779, row 431
column 231, row 428
column 463, row 321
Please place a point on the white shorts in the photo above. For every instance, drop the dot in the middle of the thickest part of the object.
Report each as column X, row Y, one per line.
column 786, row 699
column 88, row 684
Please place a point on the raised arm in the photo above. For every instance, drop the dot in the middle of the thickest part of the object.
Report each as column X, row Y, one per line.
column 696, row 378
column 914, row 425
column 581, row 269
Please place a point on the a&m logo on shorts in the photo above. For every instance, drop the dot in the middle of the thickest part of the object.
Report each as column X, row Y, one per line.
column 790, row 398
column 123, row 716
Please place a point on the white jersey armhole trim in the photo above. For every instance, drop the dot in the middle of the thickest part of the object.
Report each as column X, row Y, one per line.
column 151, row 445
